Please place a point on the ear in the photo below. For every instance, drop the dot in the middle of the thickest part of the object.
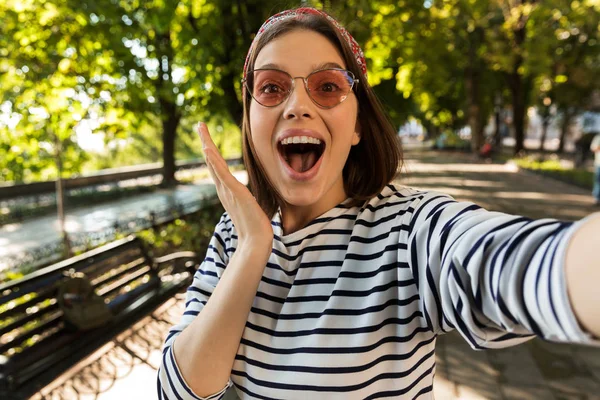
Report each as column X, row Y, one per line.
column 356, row 134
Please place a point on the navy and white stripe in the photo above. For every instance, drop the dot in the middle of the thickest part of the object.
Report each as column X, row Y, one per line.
column 350, row 306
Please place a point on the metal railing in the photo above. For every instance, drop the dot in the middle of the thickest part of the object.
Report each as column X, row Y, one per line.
column 21, row 201
column 107, row 176
column 54, row 250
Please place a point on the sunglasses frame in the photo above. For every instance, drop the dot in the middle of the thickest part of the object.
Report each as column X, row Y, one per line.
column 305, row 80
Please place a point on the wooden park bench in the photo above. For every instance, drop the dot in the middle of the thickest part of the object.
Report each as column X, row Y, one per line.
column 38, row 343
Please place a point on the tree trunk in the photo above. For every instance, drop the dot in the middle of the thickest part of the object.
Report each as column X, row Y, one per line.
column 239, row 22
column 230, row 26
column 169, row 114
column 435, row 131
column 497, row 132
column 519, row 85
column 518, row 94
column 60, row 198
column 564, row 131
column 545, row 123
column 474, row 112
column 232, row 104
column 473, row 86
column 169, row 125
column 518, row 114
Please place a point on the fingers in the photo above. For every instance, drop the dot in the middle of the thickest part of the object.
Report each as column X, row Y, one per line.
column 217, row 165
column 213, row 174
column 205, row 136
column 219, row 172
column 208, row 145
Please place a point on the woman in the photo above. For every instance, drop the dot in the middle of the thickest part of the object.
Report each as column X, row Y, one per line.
column 327, row 281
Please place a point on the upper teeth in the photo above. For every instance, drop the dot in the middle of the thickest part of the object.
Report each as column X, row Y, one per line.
column 300, row 139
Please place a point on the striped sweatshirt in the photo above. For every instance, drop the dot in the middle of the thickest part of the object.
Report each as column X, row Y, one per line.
column 349, row 307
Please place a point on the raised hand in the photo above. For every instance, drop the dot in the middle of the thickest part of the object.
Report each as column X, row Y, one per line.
column 251, row 223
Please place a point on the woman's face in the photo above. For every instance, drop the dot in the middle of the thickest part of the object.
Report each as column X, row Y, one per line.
column 304, row 179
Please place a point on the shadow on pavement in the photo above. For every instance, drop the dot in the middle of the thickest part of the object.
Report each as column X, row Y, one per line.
column 123, row 369
column 496, row 187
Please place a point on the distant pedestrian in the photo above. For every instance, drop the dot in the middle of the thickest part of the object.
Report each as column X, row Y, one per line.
column 595, row 147
column 486, row 150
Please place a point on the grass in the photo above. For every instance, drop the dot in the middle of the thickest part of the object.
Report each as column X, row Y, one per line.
column 555, row 169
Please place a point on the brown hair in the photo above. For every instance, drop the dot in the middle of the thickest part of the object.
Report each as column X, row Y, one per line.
column 371, row 164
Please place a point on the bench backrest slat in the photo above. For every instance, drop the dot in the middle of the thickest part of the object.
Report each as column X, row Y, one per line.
column 26, row 318
column 45, row 327
column 111, row 265
column 111, row 289
column 100, row 281
column 23, row 307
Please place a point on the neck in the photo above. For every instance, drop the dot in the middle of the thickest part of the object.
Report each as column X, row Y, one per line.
column 294, row 218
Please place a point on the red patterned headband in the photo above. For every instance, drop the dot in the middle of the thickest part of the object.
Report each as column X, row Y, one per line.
column 297, row 13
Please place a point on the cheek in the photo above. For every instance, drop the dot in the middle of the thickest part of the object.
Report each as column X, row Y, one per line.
column 343, row 126
column 262, row 125
column 256, row 126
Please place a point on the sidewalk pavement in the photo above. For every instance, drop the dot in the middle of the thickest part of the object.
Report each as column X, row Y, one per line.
column 537, row 370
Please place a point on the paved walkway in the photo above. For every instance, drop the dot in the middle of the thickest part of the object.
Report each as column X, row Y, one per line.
column 126, row 368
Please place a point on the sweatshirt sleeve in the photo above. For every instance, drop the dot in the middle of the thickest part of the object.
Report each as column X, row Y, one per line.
column 171, row 384
column 498, row 279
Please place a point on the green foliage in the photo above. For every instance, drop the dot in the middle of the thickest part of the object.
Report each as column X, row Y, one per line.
column 140, row 75
column 192, row 233
column 435, row 47
column 571, row 47
column 40, row 96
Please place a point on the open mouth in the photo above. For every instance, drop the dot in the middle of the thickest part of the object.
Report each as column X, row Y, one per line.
column 301, row 154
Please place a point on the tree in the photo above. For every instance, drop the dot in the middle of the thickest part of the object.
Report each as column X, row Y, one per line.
column 126, row 65
column 438, row 46
column 42, row 100
column 162, row 67
column 576, row 53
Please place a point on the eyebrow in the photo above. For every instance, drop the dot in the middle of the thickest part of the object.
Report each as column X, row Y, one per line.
column 314, row 67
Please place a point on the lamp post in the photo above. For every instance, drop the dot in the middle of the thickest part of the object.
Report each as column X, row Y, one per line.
column 497, row 133
column 60, row 198
column 546, row 115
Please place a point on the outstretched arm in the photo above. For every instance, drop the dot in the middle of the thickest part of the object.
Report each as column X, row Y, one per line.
column 582, row 270
column 499, row 279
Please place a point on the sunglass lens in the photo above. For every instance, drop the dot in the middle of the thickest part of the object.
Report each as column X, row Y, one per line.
column 330, row 87
column 270, row 87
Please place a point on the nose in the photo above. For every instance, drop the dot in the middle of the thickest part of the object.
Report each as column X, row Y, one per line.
column 298, row 104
